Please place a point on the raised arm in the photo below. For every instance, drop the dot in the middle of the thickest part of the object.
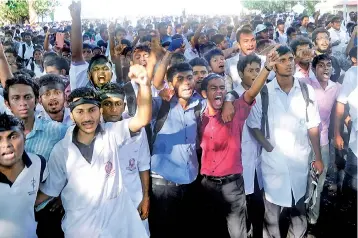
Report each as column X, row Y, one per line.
column 351, row 41
column 76, row 32
column 271, row 61
column 197, row 35
column 144, row 98
column 158, row 79
column 5, row 71
column 47, row 41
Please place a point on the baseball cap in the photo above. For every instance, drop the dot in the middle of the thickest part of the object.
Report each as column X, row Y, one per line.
column 259, row 28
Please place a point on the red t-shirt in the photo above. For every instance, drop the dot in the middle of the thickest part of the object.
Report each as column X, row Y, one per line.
column 221, row 142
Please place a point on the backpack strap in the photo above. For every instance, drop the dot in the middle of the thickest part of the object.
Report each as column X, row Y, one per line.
column 264, row 119
column 161, row 118
column 23, row 50
column 32, row 65
column 305, row 94
column 43, row 166
column 198, row 117
column 131, row 98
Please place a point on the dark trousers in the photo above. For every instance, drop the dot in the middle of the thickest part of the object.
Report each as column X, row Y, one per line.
column 282, row 222
column 49, row 223
column 167, row 210
column 255, row 210
column 225, row 201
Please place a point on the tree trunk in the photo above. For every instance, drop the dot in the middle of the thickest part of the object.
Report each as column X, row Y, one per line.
column 32, row 13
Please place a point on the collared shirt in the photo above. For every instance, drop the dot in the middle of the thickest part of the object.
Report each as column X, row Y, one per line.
column 325, row 100
column 231, row 68
column 66, row 116
column 174, row 150
column 221, row 142
column 43, row 137
column 29, row 51
column 37, row 69
column 17, row 199
column 250, row 154
column 282, row 37
column 285, row 169
column 339, row 35
column 93, row 196
column 86, row 150
column 348, row 94
column 302, row 73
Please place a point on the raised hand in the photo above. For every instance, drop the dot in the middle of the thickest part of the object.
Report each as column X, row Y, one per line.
column 138, row 74
column 272, row 58
column 75, row 9
column 118, row 50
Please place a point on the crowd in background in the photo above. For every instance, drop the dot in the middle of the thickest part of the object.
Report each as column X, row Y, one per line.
column 190, row 126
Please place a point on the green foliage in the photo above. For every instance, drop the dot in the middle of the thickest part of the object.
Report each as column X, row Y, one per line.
column 14, row 10
column 17, row 11
column 45, row 7
column 278, row 5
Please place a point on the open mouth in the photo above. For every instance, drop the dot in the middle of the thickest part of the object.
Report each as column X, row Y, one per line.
column 53, row 103
column 326, row 75
column 87, row 125
column 218, row 100
column 102, row 77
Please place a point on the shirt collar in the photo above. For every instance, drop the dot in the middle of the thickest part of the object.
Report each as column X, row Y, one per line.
column 26, row 159
column 38, row 124
column 99, row 129
column 193, row 101
column 296, row 84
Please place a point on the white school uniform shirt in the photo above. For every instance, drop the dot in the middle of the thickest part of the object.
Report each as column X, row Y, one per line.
column 285, row 169
column 37, row 69
column 348, row 94
column 29, row 50
column 17, row 217
column 135, row 158
column 250, row 154
column 66, row 117
column 93, row 196
column 231, row 69
column 339, row 35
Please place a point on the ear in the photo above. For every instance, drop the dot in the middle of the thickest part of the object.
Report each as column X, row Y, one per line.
column 354, row 60
column 204, row 94
column 40, row 100
column 7, row 104
column 241, row 75
column 63, row 72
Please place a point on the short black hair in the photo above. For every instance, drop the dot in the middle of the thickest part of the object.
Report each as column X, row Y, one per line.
column 336, row 18
column 290, row 30
column 303, row 17
column 207, row 79
column 300, row 41
column 11, row 51
column 97, row 58
column 120, row 29
column 9, row 33
column 243, row 31
column 26, row 34
column 317, row 31
column 141, row 48
column 246, row 60
column 177, row 57
column 26, row 71
column 87, row 46
column 83, row 92
column 59, row 63
column 282, row 50
column 9, row 121
column 214, row 52
column 217, row 38
column 353, row 53
column 177, row 68
column 197, row 61
column 20, row 79
column 113, row 88
column 49, row 55
column 319, row 58
column 50, row 79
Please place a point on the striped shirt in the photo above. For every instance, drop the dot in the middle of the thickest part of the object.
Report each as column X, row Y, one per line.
column 43, row 137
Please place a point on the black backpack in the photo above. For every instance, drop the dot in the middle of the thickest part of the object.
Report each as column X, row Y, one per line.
column 265, row 129
column 131, row 98
column 162, row 117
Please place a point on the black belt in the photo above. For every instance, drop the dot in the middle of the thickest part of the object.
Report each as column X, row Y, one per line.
column 224, row 179
column 163, row 182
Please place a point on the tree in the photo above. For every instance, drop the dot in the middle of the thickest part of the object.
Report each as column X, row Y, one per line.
column 278, row 5
column 45, row 7
column 14, row 11
column 18, row 11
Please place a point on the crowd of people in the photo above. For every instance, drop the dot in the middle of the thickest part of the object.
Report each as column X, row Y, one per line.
column 177, row 127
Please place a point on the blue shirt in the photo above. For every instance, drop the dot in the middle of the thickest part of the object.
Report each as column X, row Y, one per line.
column 43, row 137
column 174, row 150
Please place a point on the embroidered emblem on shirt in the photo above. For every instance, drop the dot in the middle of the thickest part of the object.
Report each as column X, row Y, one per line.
column 131, row 165
column 33, row 184
column 109, row 169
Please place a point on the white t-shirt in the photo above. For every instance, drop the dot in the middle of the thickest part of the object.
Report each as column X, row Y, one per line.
column 17, row 202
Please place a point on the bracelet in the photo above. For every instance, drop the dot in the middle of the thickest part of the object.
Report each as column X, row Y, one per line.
column 229, row 97
column 267, row 68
